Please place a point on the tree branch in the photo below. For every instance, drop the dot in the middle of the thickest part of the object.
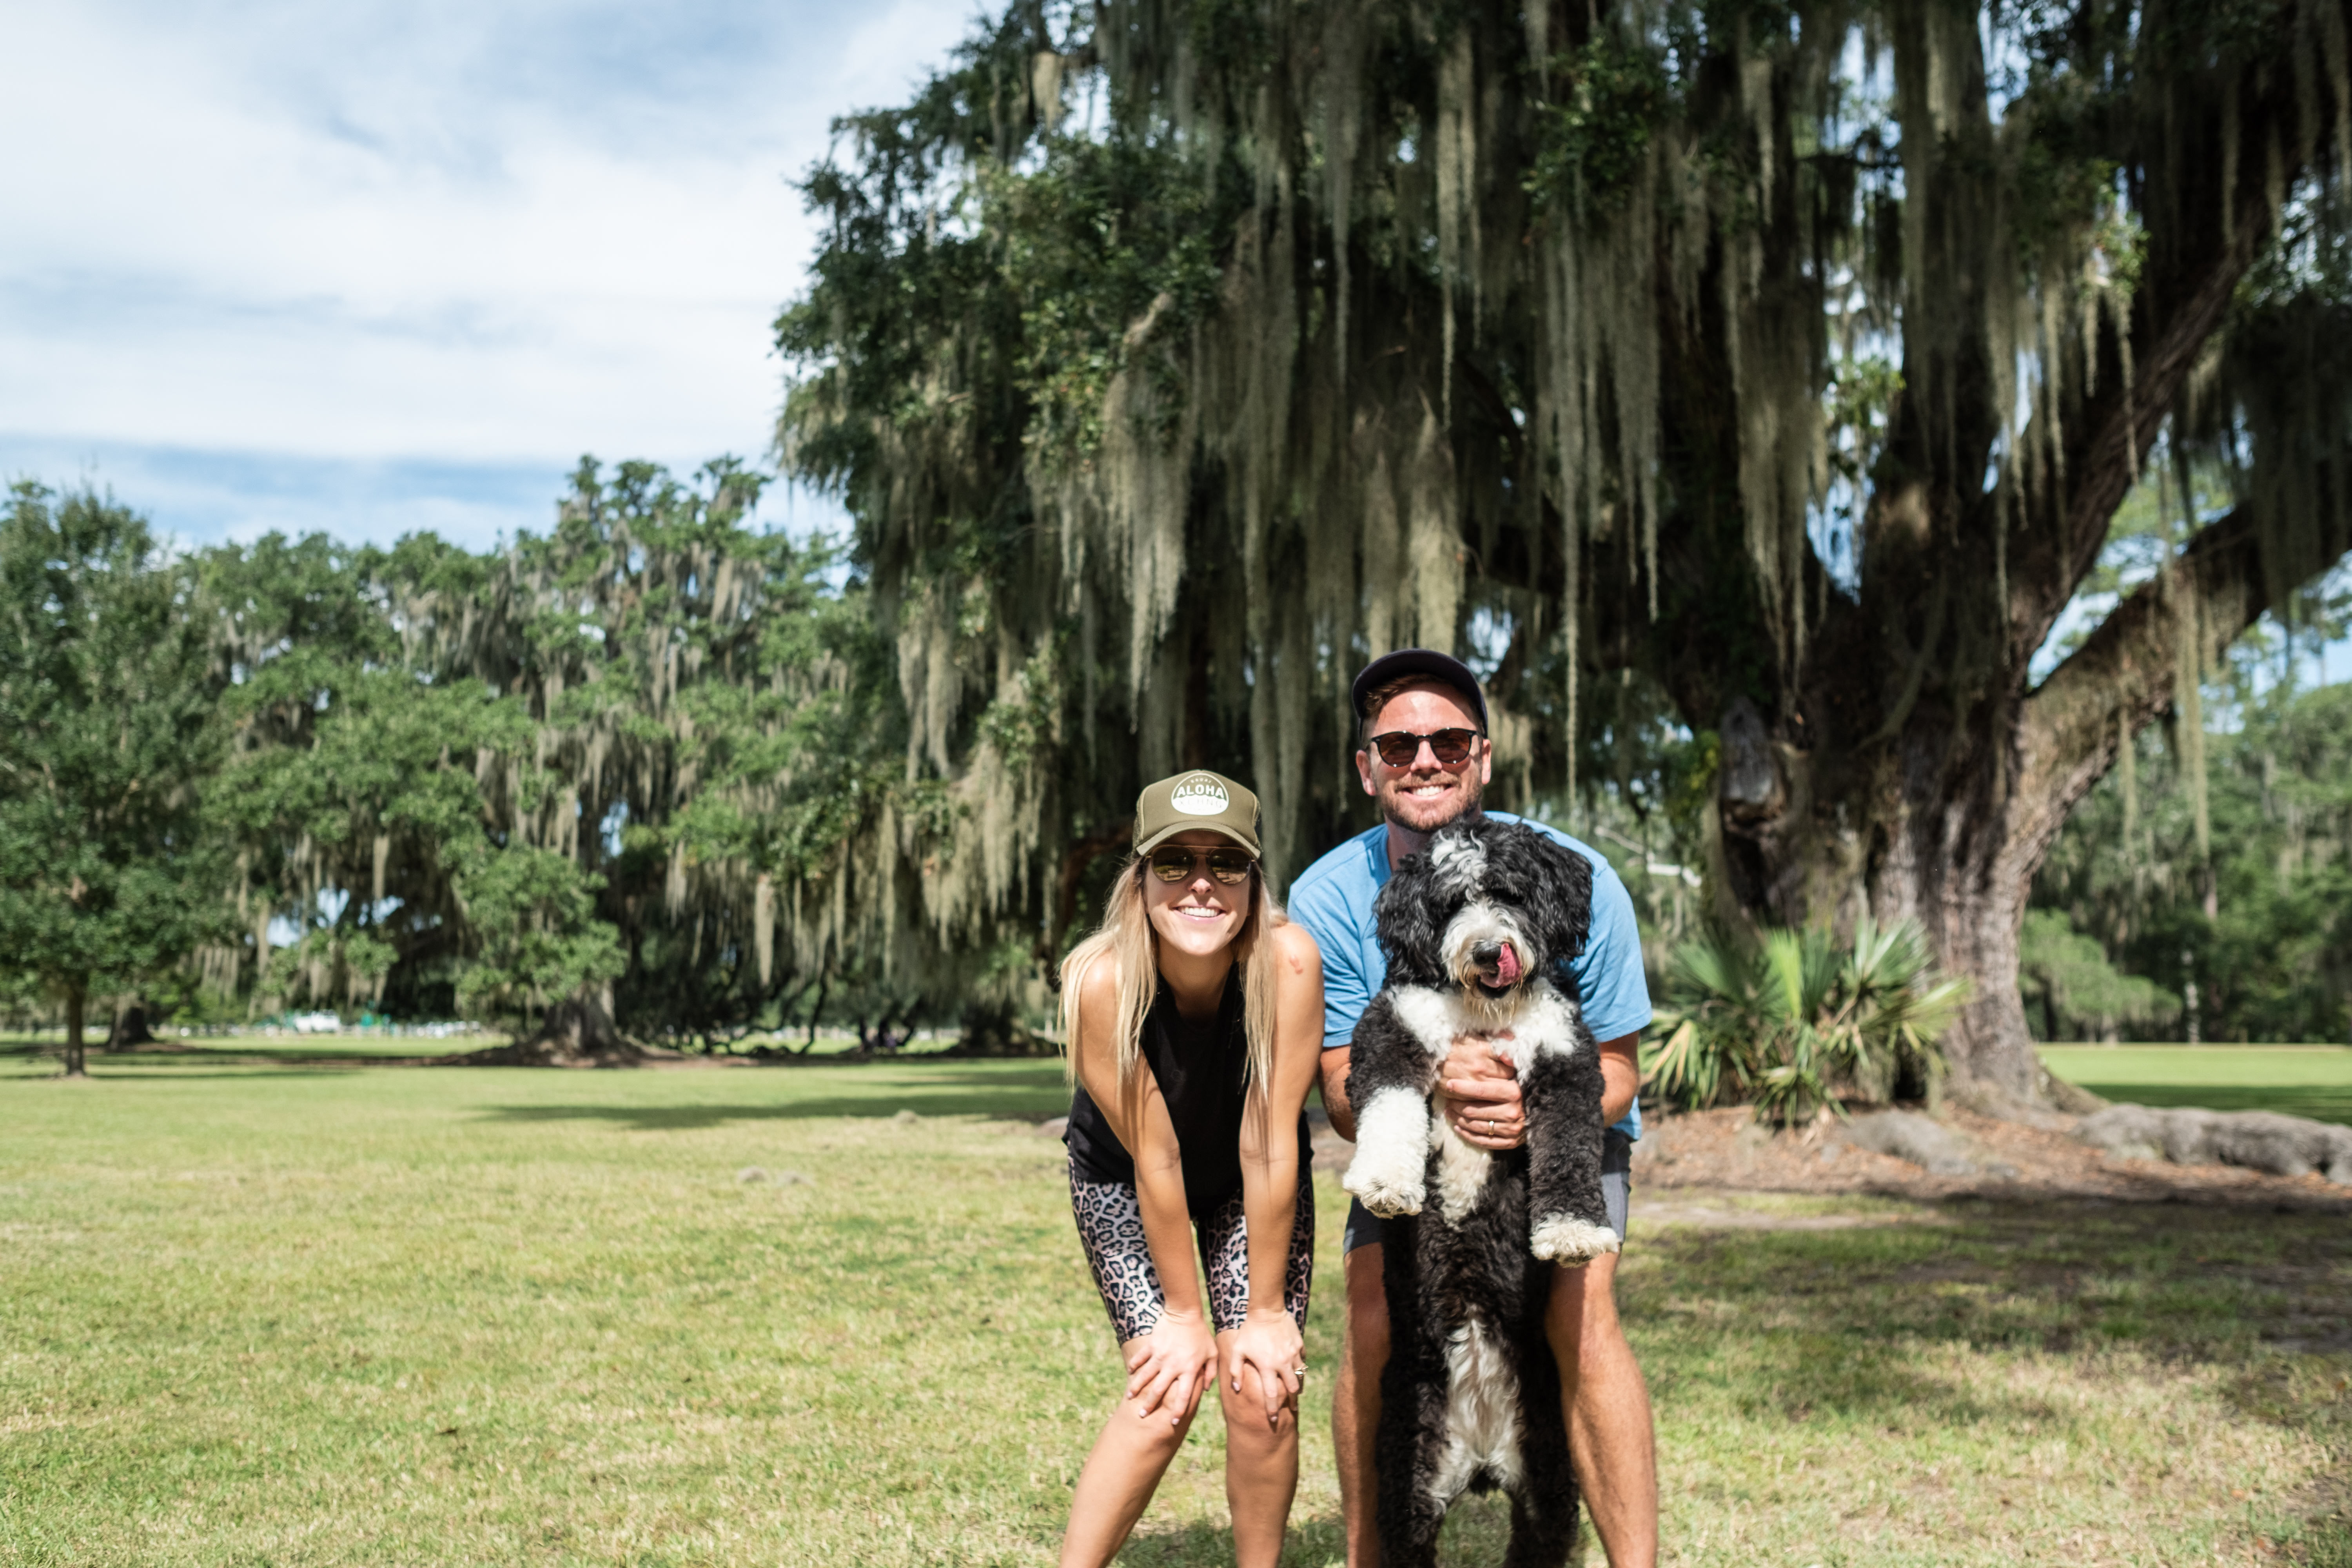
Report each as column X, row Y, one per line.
column 2176, row 313
column 2123, row 677
column 2119, row 431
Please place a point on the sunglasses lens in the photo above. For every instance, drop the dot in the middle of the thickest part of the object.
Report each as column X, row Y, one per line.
column 1398, row 748
column 1229, row 867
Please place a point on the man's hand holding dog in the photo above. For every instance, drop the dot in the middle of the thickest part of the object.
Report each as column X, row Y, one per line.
column 1170, row 1368
column 1481, row 1093
column 1482, row 1089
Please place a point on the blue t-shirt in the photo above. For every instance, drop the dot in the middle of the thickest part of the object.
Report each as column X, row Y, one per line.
column 1333, row 900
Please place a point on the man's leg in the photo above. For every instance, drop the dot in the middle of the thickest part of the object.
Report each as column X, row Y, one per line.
column 1602, row 1397
column 1355, row 1401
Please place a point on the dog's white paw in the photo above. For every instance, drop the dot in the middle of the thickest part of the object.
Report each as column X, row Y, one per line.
column 1388, row 1193
column 1564, row 1238
column 1395, row 1203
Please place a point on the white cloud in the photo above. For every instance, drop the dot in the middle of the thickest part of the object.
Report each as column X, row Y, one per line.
column 387, row 239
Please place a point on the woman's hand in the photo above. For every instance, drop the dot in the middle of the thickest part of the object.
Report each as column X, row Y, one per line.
column 1268, row 1344
column 1169, row 1369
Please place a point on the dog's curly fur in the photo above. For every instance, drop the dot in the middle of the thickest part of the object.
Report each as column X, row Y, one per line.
column 1474, row 929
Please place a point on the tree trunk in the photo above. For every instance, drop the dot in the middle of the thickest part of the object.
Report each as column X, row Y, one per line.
column 993, row 1029
column 816, row 1008
column 1948, row 819
column 578, row 1031
column 74, row 1000
column 131, row 1028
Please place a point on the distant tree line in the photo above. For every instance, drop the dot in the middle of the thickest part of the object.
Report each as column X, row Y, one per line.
column 2142, row 931
column 597, row 783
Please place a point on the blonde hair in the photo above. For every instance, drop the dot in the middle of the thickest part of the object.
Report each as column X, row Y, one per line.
column 1126, row 939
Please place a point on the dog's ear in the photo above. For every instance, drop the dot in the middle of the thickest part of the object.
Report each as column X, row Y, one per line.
column 1407, row 912
column 1561, row 899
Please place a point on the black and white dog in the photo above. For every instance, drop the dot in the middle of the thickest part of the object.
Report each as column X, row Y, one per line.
column 1473, row 928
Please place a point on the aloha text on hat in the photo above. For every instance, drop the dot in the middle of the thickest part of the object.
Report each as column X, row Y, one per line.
column 1198, row 794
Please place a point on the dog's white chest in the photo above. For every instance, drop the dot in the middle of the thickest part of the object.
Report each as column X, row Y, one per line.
column 1462, row 1167
column 1544, row 1021
column 1482, row 1416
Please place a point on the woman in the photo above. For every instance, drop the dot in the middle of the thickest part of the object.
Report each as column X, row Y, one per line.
column 1194, row 1019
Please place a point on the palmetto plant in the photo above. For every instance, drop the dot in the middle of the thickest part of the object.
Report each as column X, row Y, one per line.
column 1794, row 1022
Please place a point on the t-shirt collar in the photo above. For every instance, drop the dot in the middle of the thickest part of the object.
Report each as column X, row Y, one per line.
column 1376, row 851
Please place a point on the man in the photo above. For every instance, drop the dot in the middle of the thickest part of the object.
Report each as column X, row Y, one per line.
column 1425, row 758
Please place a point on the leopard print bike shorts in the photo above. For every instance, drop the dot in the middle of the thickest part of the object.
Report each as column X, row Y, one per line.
column 1110, row 1228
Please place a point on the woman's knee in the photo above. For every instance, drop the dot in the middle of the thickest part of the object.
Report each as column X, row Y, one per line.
column 1155, row 1434
column 1247, row 1431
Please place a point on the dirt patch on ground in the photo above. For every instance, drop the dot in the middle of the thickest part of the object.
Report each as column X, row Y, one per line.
column 1728, row 1149
column 1693, row 1169
column 1716, row 1211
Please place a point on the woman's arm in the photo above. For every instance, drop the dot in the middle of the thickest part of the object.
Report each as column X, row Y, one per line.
column 1269, row 1343
column 1171, row 1367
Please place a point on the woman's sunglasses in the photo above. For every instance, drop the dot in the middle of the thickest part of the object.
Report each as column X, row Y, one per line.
column 1398, row 748
column 1174, row 863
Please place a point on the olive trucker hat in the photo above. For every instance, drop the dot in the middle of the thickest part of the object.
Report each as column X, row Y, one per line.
column 1196, row 799
column 1442, row 667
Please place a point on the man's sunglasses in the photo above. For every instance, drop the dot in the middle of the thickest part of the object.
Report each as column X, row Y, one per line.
column 1398, row 748
column 1174, row 863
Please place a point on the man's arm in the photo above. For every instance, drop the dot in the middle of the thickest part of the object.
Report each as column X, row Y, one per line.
column 1620, row 1077
column 1335, row 1093
column 1315, row 910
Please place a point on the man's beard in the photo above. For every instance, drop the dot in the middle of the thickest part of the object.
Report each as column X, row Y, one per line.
column 1476, row 798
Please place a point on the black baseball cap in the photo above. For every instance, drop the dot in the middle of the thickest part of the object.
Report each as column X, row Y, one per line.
column 1423, row 662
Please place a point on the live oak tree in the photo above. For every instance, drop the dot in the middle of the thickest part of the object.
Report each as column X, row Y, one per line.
column 356, row 800
column 598, row 781
column 1780, row 366
column 107, row 875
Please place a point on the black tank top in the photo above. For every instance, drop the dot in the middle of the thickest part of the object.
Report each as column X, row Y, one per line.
column 1202, row 1070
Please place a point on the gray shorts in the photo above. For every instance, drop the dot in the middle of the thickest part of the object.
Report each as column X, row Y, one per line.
column 1364, row 1228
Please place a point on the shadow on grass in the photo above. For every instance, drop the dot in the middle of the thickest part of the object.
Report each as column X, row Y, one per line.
column 1838, row 1318
column 1015, row 1096
column 1477, row 1530
column 141, row 1072
column 2321, row 1102
column 1307, row 1541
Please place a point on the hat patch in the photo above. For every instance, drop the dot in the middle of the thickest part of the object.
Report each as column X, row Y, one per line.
column 1198, row 794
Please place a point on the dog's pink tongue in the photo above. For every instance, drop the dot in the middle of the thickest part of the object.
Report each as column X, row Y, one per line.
column 1506, row 967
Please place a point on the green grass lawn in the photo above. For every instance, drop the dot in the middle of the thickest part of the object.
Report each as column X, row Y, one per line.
column 288, row 1315
column 2302, row 1081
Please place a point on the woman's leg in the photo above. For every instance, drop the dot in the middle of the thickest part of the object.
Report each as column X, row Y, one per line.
column 1261, row 1470
column 1261, row 1460
column 1132, row 1453
column 1121, row 1474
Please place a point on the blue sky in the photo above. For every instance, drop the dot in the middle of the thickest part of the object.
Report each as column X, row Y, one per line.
column 372, row 269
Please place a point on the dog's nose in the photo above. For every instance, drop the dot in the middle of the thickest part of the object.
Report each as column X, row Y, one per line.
column 1485, row 952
